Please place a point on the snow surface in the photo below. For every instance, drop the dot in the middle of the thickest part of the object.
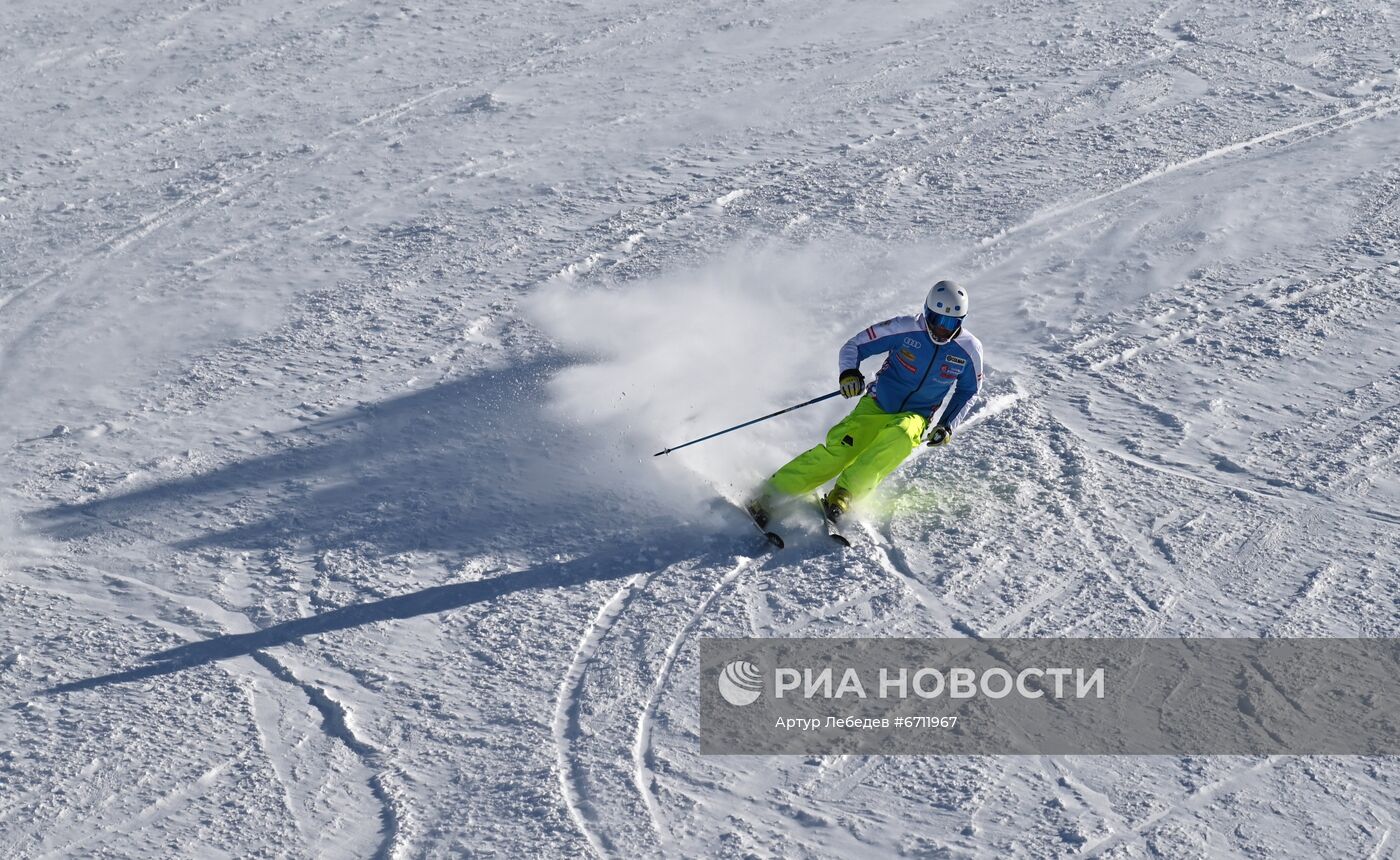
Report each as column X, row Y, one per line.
column 335, row 338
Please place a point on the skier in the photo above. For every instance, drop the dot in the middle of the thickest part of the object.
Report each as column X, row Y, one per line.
column 927, row 355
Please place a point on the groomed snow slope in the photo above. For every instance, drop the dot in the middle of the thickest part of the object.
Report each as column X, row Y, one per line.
column 361, row 321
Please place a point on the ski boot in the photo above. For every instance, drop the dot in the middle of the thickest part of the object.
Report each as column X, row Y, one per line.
column 760, row 507
column 759, row 510
column 836, row 503
column 833, row 505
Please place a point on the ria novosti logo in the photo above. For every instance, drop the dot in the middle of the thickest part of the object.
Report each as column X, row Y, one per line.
column 740, row 683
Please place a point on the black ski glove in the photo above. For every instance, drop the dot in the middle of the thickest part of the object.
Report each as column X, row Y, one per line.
column 939, row 435
column 852, row 383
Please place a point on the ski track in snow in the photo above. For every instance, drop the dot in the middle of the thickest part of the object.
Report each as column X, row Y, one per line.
column 1367, row 111
column 334, row 717
column 1195, row 801
column 566, row 709
column 643, row 776
column 151, row 813
column 336, row 722
column 151, row 222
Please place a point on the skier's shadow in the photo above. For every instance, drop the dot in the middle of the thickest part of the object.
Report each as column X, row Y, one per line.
column 440, row 598
column 471, row 466
column 467, row 466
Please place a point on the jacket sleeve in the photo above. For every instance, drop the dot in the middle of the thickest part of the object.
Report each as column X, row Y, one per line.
column 881, row 337
column 969, row 381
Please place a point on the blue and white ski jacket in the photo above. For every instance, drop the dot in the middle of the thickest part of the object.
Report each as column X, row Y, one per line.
column 917, row 372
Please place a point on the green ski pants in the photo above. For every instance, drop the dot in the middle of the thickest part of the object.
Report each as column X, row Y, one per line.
column 862, row 448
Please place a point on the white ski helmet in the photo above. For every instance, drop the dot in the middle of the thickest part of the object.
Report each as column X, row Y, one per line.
column 944, row 310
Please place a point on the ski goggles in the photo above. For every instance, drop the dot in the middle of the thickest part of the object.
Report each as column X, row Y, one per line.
column 942, row 327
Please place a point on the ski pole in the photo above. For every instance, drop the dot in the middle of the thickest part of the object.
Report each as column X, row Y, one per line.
column 747, row 423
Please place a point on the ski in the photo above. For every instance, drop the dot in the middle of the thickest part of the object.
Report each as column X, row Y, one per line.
column 833, row 530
